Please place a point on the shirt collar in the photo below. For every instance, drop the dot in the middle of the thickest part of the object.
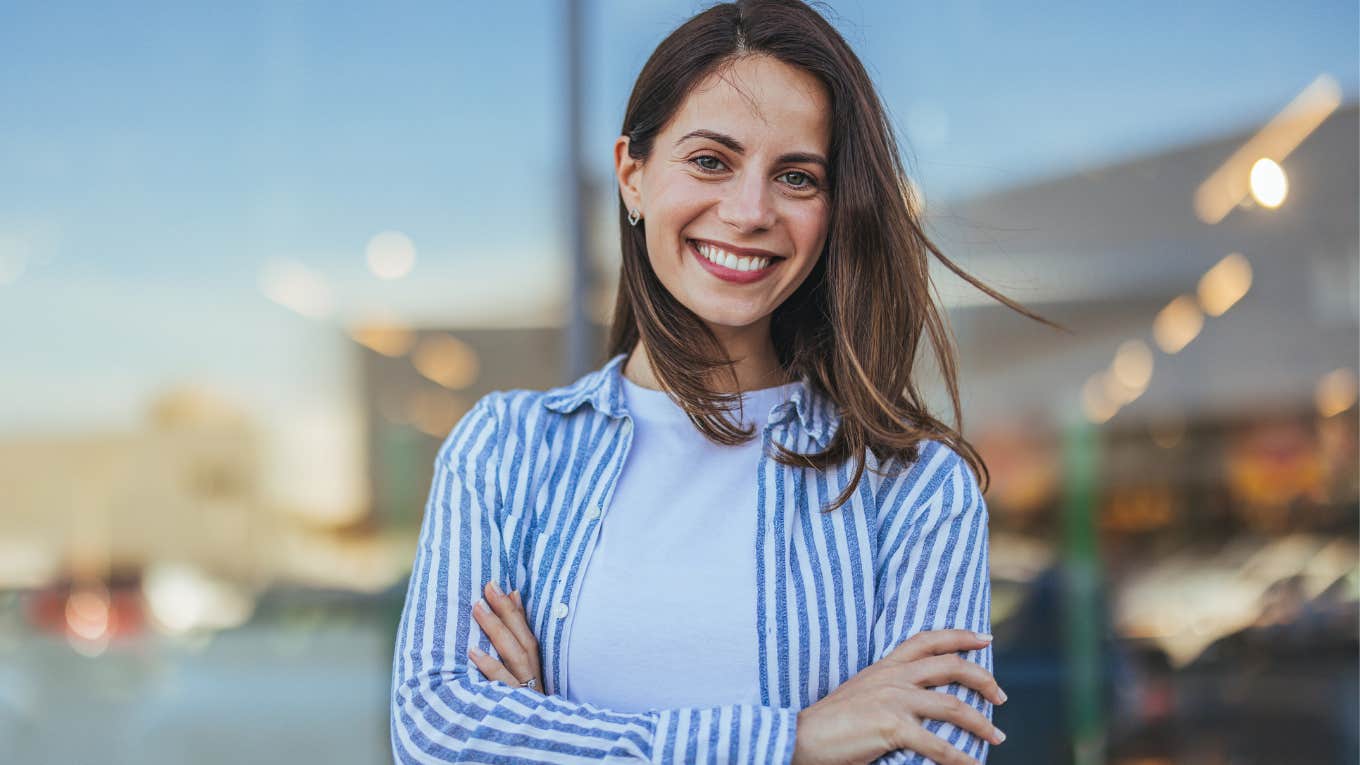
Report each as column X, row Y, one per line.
column 603, row 389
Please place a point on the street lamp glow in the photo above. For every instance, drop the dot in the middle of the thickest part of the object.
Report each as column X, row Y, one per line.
column 1133, row 365
column 1230, row 184
column 1177, row 324
column 1336, row 392
column 1095, row 403
column 1224, row 284
column 1269, row 186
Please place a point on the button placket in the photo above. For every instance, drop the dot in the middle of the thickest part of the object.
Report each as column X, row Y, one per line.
column 769, row 439
column 560, row 610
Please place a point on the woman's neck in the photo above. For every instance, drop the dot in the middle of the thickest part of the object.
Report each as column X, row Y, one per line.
column 754, row 372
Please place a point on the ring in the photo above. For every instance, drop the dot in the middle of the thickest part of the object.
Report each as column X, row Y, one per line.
column 530, row 683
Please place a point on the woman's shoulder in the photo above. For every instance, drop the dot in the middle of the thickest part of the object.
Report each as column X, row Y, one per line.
column 514, row 405
column 504, row 410
column 936, row 463
column 601, row 388
column 502, row 405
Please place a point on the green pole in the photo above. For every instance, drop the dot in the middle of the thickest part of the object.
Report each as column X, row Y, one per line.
column 1081, row 591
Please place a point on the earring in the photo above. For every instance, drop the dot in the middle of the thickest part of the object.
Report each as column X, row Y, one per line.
column 634, row 216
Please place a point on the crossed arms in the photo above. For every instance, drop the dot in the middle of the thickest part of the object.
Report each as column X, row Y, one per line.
column 443, row 710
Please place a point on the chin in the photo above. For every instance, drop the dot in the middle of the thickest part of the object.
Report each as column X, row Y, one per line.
column 730, row 319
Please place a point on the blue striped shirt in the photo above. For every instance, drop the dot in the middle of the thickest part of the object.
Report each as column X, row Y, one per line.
column 521, row 486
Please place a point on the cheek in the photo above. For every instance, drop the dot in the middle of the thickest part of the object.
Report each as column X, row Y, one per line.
column 680, row 202
column 672, row 207
column 808, row 227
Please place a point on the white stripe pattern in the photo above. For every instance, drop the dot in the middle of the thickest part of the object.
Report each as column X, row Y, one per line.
column 836, row 591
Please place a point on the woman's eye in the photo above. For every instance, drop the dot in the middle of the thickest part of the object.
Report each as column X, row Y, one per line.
column 807, row 181
column 700, row 159
column 798, row 179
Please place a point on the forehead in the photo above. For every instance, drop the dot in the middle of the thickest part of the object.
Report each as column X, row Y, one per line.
column 760, row 101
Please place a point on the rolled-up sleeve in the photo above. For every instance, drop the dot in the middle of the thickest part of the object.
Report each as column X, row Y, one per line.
column 933, row 572
column 444, row 710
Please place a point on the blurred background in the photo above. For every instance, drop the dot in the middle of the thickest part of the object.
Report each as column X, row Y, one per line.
column 257, row 258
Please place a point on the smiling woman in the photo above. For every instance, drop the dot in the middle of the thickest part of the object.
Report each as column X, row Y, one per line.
column 744, row 160
column 804, row 582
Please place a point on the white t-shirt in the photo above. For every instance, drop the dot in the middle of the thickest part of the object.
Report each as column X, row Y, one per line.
column 666, row 615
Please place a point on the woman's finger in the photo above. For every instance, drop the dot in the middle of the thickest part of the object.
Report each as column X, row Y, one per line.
column 507, row 645
column 952, row 668
column 492, row 669
column 512, row 616
column 919, row 740
column 934, row 642
column 938, row 705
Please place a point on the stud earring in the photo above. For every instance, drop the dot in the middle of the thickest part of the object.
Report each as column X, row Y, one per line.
column 634, row 216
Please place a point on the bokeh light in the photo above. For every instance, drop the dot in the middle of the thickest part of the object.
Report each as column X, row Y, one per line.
column 1095, row 400
column 297, row 287
column 1132, row 365
column 1269, row 185
column 1336, row 392
column 1177, row 324
column 388, row 339
column 446, row 360
column 1223, row 285
column 390, row 255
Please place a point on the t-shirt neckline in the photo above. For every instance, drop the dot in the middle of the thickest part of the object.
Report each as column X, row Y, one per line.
column 656, row 405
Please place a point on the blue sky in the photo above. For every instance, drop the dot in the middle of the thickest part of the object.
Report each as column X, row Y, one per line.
column 158, row 154
column 140, row 127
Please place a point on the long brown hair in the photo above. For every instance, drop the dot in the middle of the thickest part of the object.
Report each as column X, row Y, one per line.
column 854, row 325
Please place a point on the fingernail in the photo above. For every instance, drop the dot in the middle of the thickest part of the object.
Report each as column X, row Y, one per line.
column 983, row 636
column 481, row 605
column 475, row 652
column 496, row 588
column 1002, row 694
column 1000, row 736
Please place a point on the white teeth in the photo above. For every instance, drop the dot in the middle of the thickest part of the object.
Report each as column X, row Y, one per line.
column 724, row 258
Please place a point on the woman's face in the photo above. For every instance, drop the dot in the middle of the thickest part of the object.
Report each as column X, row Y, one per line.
column 739, row 176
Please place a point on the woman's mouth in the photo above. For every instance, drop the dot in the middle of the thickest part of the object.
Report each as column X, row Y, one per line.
column 730, row 267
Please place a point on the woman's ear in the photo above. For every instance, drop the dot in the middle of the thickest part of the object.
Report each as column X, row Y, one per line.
column 629, row 172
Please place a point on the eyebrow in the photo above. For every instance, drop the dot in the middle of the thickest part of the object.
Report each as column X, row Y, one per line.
column 738, row 147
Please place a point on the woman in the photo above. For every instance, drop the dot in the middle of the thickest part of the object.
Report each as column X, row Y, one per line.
column 806, row 583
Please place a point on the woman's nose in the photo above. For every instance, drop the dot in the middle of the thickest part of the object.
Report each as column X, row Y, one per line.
column 747, row 205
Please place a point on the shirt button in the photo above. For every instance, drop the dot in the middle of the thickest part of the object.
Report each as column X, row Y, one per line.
column 560, row 610
column 592, row 513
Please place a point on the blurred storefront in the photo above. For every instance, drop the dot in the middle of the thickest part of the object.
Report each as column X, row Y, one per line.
column 418, row 382
column 1197, row 601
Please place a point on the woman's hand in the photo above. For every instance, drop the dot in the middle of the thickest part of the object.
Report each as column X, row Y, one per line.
column 881, row 708
column 508, row 627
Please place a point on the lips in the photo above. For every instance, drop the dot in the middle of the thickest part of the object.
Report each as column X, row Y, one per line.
column 741, row 252
column 730, row 274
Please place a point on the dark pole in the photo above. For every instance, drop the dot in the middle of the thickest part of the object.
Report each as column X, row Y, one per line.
column 579, row 337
